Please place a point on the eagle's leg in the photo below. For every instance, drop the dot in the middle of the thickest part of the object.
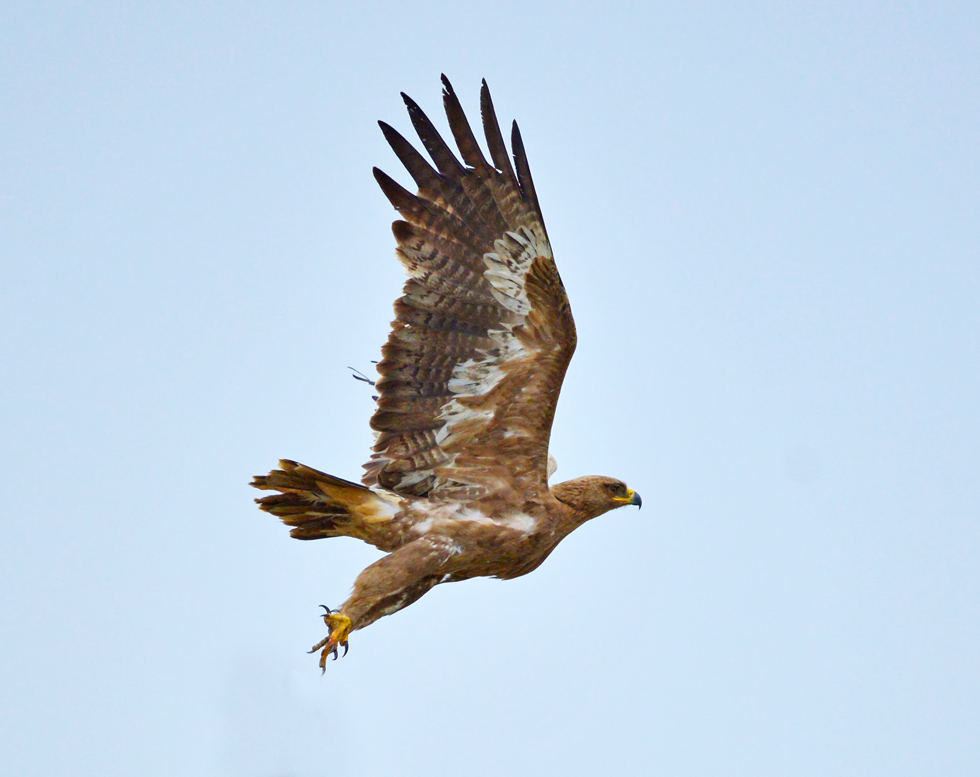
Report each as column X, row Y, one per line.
column 340, row 627
column 389, row 584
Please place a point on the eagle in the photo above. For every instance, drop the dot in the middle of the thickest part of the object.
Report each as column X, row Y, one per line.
column 457, row 484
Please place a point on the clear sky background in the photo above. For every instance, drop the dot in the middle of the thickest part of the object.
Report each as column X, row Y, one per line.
column 766, row 216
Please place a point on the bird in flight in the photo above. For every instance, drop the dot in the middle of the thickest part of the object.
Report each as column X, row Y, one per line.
column 457, row 485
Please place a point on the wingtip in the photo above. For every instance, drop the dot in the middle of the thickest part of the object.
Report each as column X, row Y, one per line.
column 387, row 130
column 410, row 104
column 448, row 93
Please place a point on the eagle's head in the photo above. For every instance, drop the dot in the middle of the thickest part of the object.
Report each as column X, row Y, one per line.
column 595, row 495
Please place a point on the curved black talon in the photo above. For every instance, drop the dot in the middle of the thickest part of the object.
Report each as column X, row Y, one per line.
column 346, row 648
column 328, row 611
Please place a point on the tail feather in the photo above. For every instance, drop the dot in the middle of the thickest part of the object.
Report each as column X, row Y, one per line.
column 319, row 505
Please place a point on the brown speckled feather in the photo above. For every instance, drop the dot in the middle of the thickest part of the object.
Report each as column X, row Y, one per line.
column 469, row 381
column 483, row 334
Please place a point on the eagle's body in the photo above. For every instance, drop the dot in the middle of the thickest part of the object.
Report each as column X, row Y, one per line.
column 457, row 486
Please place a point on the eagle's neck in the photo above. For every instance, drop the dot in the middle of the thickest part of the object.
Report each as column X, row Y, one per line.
column 578, row 504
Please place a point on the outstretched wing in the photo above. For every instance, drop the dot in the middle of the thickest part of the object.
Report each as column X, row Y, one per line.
column 483, row 333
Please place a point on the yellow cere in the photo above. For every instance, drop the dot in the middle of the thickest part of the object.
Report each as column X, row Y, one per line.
column 630, row 493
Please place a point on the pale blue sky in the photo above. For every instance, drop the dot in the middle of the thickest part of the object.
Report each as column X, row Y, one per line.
column 766, row 216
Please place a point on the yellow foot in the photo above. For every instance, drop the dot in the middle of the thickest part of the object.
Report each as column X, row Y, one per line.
column 340, row 626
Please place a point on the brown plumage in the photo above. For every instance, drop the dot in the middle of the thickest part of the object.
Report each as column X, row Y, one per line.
column 457, row 486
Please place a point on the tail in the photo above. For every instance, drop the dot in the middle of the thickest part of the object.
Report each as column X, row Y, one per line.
column 319, row 505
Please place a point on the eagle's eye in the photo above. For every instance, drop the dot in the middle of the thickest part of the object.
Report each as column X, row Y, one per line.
column 615, row 488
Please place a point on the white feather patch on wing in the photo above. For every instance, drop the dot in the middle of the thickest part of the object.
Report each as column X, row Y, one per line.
column 506, row 270
column 507, row 267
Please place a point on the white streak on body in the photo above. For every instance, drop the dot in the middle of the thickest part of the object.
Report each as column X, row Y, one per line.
column 522, row 522
column 384, row 507
column 453, row 516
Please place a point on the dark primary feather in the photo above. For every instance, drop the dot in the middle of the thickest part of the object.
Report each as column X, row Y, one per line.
column 469, row 148
column 524, row 171
column 495, row 141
